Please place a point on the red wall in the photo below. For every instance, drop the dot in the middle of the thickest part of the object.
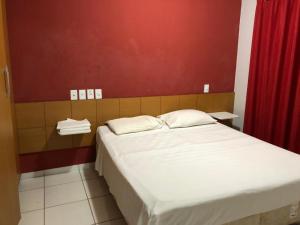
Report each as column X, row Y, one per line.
column 126, row 47
column 54, row 159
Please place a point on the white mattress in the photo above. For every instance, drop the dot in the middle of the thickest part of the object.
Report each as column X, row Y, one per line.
column 208, row 175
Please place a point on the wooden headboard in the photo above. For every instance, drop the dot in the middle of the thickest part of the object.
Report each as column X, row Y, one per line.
column 36, row 122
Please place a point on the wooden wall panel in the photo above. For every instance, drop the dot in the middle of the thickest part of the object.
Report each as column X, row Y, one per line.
column 205, row 102
column 130, row 107
column 81, row 140
column 188, row 101
column 55, row 141
column 32, row 140
column 56, row 111
column 30, row 115
column 216, row 102
column 84, row 110
column 150, row 106
column 37, row 121
column 169, row 103
column 224, row 102
column 108, row 109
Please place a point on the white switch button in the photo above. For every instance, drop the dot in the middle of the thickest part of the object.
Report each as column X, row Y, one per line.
column 98, row 93
column 206, row 88
column 74, row 95
column 82, row 94
column 90, row 94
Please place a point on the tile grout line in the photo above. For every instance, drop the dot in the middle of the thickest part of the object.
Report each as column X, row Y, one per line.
column 78, row 169
column 87, row 198
column 75, row 170
column 43, row 172
column 55, row 185
column 48, row 186
column 52, row 185
column 29, row 211
column 109, row 220
column 67, row 203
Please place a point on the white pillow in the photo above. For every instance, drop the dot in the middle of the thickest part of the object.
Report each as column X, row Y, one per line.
column 134, row 124
column 186, row 118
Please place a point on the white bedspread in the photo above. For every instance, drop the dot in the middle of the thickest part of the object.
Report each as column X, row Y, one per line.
column 205, row 175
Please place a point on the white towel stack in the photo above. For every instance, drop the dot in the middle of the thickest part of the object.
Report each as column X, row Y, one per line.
column 70, row 126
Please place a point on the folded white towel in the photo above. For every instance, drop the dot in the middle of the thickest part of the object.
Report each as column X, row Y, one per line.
column 75, row 129
column 82, row 131
column 70, row 123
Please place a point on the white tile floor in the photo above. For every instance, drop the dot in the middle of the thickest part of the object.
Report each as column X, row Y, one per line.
column 73, row 195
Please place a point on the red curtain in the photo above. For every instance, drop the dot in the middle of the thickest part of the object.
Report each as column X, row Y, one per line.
column 273, row 98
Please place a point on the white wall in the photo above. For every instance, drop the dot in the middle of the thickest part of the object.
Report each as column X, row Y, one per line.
column 243, row 59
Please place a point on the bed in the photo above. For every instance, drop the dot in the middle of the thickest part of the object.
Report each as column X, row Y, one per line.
column 208, row 175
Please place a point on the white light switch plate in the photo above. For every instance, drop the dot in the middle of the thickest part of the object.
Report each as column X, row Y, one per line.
column 82, row 94
column 206, row 88
column 98, row 93
column 73, row 95
column 90, row 94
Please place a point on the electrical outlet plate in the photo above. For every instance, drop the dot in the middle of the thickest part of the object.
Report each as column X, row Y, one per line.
column 98, row 93
column 206, row 88
column 73, row 95
column 90, row 94
column 82, row 94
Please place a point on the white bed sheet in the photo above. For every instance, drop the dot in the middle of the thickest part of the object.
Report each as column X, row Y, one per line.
column 208, row 175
